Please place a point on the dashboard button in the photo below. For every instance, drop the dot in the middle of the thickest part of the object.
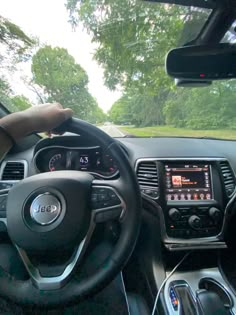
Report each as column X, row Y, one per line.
column 195, row 222
column 94, row 198
column 215, row 214
column 104, row 204
column 103, row 197
column 113, row 196
column 174, row 214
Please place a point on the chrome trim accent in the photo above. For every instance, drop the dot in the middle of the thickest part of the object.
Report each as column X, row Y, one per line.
column 54, row 283
column 223, row 288
column 180, row 283
column 58, row 209
column 211, row 245
column 192, row 278
column 72, row 148
column 189, row 243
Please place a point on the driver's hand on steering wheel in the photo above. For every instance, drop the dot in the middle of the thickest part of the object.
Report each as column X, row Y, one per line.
column 38, row 118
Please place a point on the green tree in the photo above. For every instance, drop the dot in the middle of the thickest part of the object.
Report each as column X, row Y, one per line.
column 139, row 109
column 5, row 92
column 134, row 37
column 19, row 103
column 12, row 103
column 15, row 44
column 206, row 108
column 63, row 80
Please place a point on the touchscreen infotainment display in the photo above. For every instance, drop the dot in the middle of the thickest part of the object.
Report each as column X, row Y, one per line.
column 186, row 182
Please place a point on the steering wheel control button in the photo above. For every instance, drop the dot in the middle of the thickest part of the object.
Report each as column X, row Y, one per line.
column 104, row 198
column 3, row 202
column 45, row 209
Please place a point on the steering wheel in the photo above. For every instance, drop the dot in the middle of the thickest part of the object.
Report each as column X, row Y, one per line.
column 51, row 213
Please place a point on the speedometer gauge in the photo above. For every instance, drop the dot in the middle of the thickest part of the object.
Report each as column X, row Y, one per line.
column 56, row 163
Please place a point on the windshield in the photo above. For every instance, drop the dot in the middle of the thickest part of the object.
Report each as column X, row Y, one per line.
column 105, row 60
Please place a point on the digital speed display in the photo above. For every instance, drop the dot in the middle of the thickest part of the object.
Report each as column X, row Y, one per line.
column 186, row 182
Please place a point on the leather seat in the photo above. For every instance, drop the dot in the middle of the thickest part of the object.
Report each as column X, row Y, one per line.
column 137, row 305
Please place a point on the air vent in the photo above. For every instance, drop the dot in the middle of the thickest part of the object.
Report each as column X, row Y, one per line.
column 13, row 171
column 147, row 175
column 228, row 177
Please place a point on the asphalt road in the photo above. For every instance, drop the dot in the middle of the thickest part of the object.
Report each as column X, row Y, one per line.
column 112, row 130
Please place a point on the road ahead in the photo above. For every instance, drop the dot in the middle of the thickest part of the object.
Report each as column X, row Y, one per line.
column 112, row 130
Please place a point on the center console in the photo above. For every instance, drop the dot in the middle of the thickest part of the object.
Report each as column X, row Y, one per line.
column 191, row 197
column 200, row 292
column 194, row 205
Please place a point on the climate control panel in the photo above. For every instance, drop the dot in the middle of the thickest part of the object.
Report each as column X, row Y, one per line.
column 194, row 221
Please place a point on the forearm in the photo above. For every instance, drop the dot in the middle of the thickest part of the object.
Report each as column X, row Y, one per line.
column 5, row 145
column 38, row 118
column 17, row 126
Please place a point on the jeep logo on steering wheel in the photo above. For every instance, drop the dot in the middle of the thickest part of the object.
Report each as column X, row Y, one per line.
column 45, row 209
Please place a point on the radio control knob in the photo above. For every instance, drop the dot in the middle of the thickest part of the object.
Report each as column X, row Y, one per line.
column 215, row 214
column 195, row 222
column 174, row 214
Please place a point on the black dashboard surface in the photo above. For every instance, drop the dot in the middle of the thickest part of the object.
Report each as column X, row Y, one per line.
column 137, row 148
column 180, row 147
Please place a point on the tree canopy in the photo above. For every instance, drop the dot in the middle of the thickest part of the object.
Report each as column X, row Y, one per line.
column 15, row 44
column 133, row 39
column 64, row 81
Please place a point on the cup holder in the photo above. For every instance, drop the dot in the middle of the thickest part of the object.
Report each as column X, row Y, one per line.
column 212, row 285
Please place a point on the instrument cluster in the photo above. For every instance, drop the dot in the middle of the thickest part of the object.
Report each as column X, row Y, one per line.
column 90, row 159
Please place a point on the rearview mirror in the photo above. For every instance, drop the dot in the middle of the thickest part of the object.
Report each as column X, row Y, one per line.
column 213, row 62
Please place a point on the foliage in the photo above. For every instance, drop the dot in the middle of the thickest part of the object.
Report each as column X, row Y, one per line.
column 64, row 81
column 138, row 109
column 205, row 108
column 19, row 103
column 14, row 43
column 12, row 103
column 5, row 92
column 133, row 38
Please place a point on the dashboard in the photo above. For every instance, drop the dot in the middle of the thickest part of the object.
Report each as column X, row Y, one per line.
column 189, row 184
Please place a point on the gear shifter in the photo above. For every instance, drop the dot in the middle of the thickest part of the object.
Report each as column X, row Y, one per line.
column 209, row 303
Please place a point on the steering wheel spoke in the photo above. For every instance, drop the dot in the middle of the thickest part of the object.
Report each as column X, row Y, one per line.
column 107, row 204
column 46, row 281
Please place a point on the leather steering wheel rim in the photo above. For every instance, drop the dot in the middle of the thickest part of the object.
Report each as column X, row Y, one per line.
column 24, row 292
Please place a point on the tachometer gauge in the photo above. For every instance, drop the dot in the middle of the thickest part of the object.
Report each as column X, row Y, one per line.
column 57, row 162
